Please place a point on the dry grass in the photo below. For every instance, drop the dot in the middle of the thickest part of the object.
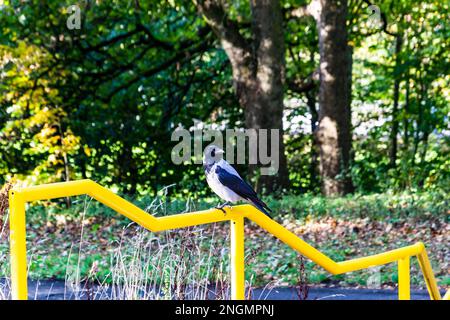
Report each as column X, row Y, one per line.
column 4, row 259
column 172, row 265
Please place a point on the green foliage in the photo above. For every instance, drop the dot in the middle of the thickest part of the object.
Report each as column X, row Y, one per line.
column 423, row 104
column 383, row 206
column 101, row 102
column 106, row 97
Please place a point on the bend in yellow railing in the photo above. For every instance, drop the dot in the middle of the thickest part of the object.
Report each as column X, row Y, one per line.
column 236, row 215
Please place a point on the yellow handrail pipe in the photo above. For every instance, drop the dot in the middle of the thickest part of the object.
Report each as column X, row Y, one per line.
column 18, row 197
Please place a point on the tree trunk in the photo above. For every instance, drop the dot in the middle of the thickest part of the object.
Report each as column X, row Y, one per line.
column 420, row 116
column 406, row 116
column 314, row 165
column 395, row 125
column 266, row 109
column 334, row 131
column 311, row 100
column 258, row 67
column 65, row 160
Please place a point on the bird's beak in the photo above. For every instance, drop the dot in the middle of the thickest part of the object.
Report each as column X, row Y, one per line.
column 220, row 151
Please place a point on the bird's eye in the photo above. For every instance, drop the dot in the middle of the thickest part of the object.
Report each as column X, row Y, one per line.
column 213, row 153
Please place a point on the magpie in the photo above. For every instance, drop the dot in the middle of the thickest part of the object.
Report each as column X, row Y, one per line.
column 224, row 180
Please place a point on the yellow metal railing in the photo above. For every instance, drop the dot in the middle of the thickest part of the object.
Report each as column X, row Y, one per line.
column 19, row 197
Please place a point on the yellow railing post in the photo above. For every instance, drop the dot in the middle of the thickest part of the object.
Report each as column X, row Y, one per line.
column 404, row 292
column 237, row 259
column 428, row 274
column 446, row 295
column 18, row 246
column 236, row 215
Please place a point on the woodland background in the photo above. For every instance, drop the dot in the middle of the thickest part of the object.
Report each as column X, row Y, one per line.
column 360, row 90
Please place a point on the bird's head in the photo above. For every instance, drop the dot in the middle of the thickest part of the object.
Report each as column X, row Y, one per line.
column 212, row 154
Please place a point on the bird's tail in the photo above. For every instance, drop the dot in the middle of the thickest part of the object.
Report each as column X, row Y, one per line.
column 262, row 207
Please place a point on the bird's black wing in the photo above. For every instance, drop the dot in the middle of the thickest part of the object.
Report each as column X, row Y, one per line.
column 241, row 188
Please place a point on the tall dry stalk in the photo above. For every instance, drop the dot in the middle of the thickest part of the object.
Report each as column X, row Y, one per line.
column 173, row 265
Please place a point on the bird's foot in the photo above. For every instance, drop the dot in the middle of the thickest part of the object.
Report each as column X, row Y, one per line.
column 222, row 206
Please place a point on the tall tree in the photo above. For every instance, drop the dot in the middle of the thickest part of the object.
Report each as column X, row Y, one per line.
column 258, row 66
column 334, row 130
column 395, row 116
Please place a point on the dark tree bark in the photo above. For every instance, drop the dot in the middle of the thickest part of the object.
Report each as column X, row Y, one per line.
column 311, row 101
column 334, row 130
column 406, row 115
column 65, row 160
column 258, row 67
column 419, row 128
column 314, row 166
column 423, row 128
column 395, row 124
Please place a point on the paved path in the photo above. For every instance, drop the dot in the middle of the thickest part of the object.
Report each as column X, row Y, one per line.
column 56, row 290
column 342, row 294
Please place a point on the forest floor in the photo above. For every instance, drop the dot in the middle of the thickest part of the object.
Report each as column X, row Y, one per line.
column 88, row 244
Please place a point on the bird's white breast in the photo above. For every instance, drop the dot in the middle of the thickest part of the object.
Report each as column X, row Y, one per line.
column 222, row 191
